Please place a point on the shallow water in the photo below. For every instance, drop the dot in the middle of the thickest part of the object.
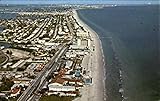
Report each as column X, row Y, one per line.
column 130, row 39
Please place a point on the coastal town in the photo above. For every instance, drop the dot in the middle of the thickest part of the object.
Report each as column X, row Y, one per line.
column 79, row 50
column 47, row 53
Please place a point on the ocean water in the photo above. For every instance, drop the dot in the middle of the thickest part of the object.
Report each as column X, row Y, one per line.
column 130, row 39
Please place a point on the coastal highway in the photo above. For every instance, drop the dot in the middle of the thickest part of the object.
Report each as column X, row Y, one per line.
column 40, row 80
column 48, row 68
column 36, row 96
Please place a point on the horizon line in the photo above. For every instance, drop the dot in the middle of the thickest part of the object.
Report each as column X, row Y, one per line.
column 75, row 2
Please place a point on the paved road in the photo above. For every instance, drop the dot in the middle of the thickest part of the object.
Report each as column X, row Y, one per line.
column 6, row 56
column 29, row 91
column 40, row 29
column 36, row 97
column 55, row 30
column 40, row 81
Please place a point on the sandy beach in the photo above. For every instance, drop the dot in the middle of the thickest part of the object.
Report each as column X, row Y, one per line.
column 96, row 91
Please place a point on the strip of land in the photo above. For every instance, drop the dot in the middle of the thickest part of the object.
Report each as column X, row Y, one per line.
column 56, row 55
column 96, row 91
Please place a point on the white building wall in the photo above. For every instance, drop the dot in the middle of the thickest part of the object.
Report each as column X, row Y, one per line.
column 62, row 88
column 78, row 42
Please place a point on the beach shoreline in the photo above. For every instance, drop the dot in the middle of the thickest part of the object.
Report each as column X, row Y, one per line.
column 97, row 91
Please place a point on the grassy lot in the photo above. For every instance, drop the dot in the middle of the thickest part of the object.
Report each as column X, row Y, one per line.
column 12, row 99
column 56, row 98
column 6, row 84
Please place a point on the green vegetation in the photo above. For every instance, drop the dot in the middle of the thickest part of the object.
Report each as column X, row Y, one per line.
column 6, row 69
column 32, row 77
column 56, row 98
column 9, row 52
column 53, row 51
column 13, row 99
column 6, row 84
column 65, row 41
column 23, row 67
column 3, row 99
column 27, row 64
column 20, row 48
column 14, row 61
column 2, row 58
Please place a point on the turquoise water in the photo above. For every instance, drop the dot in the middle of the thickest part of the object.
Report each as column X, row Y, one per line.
column 130, row 39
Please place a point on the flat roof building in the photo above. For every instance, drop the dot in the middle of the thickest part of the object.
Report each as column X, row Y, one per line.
column 60, row 88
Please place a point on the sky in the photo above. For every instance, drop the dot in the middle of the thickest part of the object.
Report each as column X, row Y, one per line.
column 79, row 1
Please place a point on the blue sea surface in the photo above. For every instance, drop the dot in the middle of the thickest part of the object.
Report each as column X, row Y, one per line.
column 130, row 39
